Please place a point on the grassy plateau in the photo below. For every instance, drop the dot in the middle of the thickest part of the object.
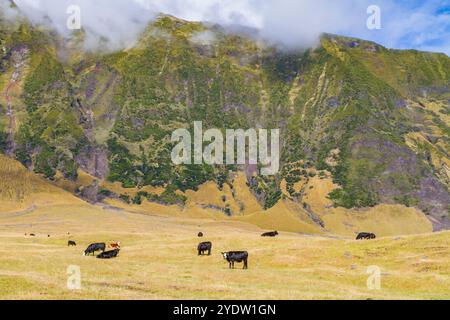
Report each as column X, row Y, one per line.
column 158, row 260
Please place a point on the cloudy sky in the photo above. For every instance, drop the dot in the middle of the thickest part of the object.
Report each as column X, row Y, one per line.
column 416, row 24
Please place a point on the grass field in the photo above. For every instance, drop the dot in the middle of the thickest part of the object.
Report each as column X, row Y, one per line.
column 158, row 260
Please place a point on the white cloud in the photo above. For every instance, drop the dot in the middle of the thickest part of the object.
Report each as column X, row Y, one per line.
column 292, row 23
column 420, row 30
column 6, row 11
column 116, row 20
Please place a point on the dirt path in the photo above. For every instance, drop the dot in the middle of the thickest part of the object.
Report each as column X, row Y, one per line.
column 6, row 215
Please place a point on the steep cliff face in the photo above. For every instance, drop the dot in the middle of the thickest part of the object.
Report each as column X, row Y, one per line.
column 376, row 119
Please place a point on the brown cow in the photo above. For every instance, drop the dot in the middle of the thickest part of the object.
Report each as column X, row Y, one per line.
column 115, row 245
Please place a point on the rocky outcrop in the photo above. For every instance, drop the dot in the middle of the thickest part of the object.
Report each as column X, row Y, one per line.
column 94, row 160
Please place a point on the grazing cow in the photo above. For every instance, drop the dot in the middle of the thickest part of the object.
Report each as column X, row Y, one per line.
column 204, row 246
column 32, row 235
column 71, row 243
column 270, row 234
column 365, row 235
column 48, row 236
column 94, row 247
column 115, row 245
column 108, row 254
column 236, row 256
column 200, row 234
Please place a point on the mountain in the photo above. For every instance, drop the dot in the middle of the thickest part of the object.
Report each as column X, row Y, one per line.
column 372, row 122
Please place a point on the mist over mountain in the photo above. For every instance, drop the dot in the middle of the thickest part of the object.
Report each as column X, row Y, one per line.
column 291, row 24
column 121, row 22
column 371, row 121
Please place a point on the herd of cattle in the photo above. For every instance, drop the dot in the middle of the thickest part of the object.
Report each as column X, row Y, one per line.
column 242, row 256
column 231, row 256
column 93, row 247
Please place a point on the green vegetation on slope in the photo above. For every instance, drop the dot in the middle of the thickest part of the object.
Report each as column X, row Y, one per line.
column 348, row 95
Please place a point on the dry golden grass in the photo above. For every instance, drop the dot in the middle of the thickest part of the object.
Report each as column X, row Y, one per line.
column 20, row 189
column 84, row 179
column 209, row 194
column 316, row 193
column 117, row 188
column 285, row 216
column 383, row 220
column 239, row 199
column 158, row 260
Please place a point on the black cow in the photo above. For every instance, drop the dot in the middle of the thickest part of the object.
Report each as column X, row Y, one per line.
column 32, row 235
column 200, row 234
column 365, row 235
column 204, row 246
column 270, row 234
column 94, row 247
column 236, row 256
column 71, row 243
column 108, row 254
